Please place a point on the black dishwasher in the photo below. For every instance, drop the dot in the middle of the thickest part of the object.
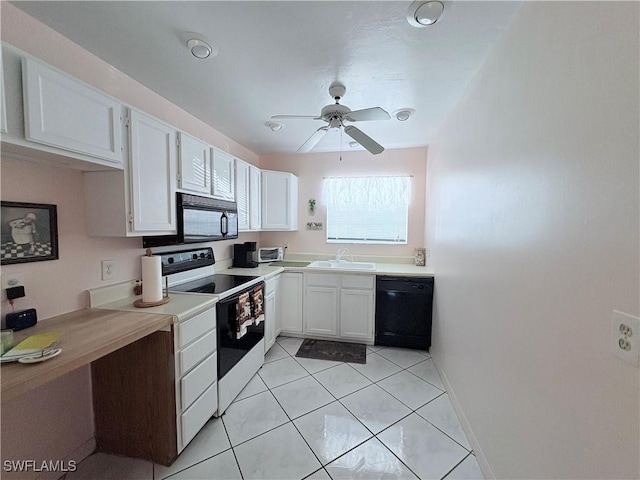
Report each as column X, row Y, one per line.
column 403, row 311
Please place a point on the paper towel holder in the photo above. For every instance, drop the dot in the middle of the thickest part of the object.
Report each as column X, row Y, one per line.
column 165, row 299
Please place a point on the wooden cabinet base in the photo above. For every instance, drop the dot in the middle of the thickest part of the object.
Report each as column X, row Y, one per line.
column 134, row 400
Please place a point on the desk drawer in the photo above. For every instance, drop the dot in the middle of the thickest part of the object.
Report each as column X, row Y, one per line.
column 194, row 418
column 198, row 379
column 193, row 328
column 201, row 348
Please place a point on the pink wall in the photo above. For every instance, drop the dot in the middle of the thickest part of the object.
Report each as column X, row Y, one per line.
column 55, row 420
column 311, row 167
column 533, row 226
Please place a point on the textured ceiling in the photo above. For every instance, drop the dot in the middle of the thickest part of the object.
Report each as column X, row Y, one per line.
column 281, row 57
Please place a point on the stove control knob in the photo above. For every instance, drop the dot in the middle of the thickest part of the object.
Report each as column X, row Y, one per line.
column 195, row 256
column 202, row 255
column 170, row 260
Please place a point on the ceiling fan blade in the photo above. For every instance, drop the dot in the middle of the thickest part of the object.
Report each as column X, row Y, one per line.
column 313, row 139
column 296, row 117
column 374, row 113
column 363, row 139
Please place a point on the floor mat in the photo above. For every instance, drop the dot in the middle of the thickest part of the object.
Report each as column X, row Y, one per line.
column 336, row 351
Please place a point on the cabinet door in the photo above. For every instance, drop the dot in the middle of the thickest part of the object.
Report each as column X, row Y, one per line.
column 222, row 175
column 291, row 302
column 279, row 201
column 356, row 314
column 195, row 164
column 255, row 201
column 242, row 194
column 277, row 325
column 152, row 163
column 269, row 321
column 320, row 310
column 63, row 112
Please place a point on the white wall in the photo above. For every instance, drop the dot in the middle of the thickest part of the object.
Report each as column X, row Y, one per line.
column 533, row 212
column 311, row 168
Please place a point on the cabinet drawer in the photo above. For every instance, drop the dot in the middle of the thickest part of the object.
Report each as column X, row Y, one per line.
column 358, row 281
column 196, row 326
column 194, row 418
column 198, row 379
column 322, row 279
column 201, row 348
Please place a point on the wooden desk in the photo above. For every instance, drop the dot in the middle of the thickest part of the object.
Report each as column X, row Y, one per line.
column 87, row 335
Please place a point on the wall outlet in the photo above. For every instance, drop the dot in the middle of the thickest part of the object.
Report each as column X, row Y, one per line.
column 625, row 337
column 108, row 269
column 11, row 280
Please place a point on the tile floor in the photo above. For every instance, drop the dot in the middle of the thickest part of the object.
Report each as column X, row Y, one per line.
column 301, row 418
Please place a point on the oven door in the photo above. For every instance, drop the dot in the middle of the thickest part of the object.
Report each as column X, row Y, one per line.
column 230, row 349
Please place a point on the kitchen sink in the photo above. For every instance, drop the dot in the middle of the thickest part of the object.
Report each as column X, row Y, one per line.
column 342, row 265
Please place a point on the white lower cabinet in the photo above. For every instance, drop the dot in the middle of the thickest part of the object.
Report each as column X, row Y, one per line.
column 291, row 290
column 356, row 314
column 196, row 373
column 339, row 306
column 271, row 312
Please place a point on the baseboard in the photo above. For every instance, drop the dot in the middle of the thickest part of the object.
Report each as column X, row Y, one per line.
column 78, row 455
column 466, row 426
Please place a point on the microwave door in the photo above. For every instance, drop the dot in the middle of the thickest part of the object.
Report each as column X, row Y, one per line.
column 201, row 225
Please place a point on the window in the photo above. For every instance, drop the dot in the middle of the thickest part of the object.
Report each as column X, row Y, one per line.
column 367, row 209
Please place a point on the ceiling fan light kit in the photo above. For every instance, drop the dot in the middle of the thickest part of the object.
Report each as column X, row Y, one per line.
column 423, row 14
column 335, row 115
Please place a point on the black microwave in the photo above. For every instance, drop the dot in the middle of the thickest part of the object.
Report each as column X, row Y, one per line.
column 199, row 219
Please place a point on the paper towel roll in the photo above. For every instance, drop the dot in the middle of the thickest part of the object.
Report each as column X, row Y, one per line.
column 151, row 279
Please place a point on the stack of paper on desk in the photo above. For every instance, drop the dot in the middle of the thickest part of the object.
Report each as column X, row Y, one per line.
column 33, row 345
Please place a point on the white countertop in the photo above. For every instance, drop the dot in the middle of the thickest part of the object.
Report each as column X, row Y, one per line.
column 180, row 305
column 401, row 269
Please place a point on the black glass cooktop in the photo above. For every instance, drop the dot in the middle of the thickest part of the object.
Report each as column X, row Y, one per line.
column 213, row 284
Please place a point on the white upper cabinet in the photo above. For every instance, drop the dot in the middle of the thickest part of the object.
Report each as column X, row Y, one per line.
column 248, row 196
column 222, row 175
column 152, row 168
column 63, row 112
column 255, row 200
column 194, row 164
column 242, row 195
column 279, row 200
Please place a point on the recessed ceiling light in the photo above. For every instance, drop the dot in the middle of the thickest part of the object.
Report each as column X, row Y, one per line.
column 354, row 144
column 275, row 126
column 423, row 14
column 404, row 114
column 201, row 49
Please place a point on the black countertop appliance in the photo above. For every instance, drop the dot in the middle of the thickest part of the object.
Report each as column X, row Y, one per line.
column 244, row 255
column 403, row 311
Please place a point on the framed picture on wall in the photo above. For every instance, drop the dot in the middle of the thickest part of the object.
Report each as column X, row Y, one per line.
column 29, row 232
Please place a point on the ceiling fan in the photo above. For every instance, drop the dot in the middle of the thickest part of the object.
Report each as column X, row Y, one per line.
column 335, row 115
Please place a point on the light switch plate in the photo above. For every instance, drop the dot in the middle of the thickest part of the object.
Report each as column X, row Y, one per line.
column 625, row 337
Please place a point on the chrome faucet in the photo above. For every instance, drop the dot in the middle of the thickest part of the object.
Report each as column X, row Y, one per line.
column 340, row 253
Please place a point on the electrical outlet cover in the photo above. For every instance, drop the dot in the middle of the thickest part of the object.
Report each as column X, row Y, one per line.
column 625, row 337
column 108, row 269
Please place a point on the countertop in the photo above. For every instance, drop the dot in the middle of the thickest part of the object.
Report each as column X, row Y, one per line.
column 87, row 335
column 181, row 305
column 400, row 269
